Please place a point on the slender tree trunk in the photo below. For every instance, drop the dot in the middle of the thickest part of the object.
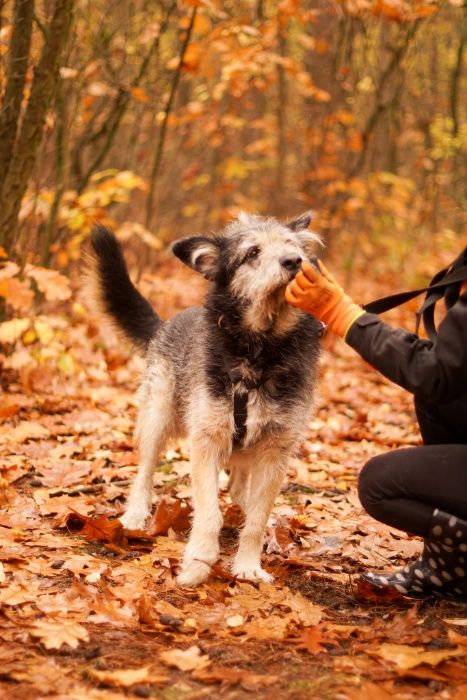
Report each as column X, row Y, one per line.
column 168, row 108
column 13, row 97
column 459, row 159
column 60, row 168
column 279, row 195
column 457, row 75
column 29, row 138
column 112, row 123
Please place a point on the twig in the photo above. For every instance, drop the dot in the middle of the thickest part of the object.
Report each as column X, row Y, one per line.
column 90, row 488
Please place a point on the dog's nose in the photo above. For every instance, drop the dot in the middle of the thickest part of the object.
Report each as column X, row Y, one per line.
column 291, row 263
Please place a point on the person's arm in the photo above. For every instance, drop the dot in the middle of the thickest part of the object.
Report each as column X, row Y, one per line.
column 434, row 372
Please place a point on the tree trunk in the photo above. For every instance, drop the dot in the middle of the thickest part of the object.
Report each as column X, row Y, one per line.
column 13, row 97
column 457, row 75
column 279, row 194
column 168, row 108
column 29, row 138
column 112, row 123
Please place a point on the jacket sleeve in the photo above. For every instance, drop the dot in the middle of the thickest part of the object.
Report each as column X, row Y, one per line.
column 435, row 372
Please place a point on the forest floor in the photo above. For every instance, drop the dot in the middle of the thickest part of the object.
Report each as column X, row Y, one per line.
column 89, row 611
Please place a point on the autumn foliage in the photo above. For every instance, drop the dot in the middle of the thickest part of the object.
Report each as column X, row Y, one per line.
column 162, row 119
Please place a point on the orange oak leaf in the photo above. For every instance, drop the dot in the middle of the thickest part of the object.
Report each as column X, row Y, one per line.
column 55, row 633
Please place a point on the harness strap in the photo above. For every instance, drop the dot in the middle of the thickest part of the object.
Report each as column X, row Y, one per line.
column 240, row 408
column 446, row 283
column 240, row 400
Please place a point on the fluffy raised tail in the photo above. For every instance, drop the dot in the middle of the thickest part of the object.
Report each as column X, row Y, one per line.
column 115, row 294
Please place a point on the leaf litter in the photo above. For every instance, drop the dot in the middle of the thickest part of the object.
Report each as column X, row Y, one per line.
column 91, row 610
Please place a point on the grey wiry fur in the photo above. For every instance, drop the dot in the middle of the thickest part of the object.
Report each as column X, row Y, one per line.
column 245, row 339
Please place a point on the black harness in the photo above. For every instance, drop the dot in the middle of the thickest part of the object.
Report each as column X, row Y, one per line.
column 240, row 396
column 446, row 283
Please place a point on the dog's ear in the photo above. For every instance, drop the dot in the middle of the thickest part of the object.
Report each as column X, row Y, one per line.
column 302, row 222
column 308, row 238
column 200, row 253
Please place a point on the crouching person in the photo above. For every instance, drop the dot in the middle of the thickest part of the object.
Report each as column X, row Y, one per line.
column 421, row 490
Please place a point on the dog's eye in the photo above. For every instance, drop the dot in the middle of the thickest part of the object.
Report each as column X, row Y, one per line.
column 252, row 253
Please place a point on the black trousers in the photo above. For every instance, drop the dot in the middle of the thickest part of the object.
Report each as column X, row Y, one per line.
column 402, row 488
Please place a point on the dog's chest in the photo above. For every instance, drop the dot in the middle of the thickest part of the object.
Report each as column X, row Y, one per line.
column 250, row 412
column 260, row 414
column 265, row 386
column 254, row 408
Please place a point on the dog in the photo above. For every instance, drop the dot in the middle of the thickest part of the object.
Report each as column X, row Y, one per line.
column 237, row 376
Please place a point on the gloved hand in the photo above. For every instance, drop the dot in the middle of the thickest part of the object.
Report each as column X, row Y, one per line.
column 319, row 294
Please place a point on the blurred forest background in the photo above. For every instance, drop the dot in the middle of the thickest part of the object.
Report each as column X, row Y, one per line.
column 165, row 118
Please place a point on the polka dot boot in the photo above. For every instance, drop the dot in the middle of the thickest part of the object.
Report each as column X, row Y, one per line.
column 442, row 566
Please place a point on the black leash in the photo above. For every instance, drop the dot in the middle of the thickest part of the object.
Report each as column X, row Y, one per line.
column 446, row 283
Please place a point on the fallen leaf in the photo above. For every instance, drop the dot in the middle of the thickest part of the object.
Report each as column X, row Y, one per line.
column 164, row 548
column 407, row 657
column 10, row 331
column 7, row 410
column 312, row 640
column 233, row 517
column 280, row 540
column 367, row 690
column 173, row 515
column 456, row 638
column 100, row 529
column 458, row 621
column 235, row 676
column 55, row 633
column 15, row 594
column 234, row 621
column 272, row 627
column 64, row 472
column 18, row 294
column 185, row 659
column 53, row 285
column 125, row 677
column 308, row 613
column 26, row 430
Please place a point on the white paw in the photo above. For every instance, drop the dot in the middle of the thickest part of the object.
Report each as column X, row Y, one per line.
column 193, row 573
column 135, row 519
column 251, row 572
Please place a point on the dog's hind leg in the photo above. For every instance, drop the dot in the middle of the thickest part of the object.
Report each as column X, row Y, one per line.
column 153, row 428
column 239, row 481
column 267, row 475
column 207, row 457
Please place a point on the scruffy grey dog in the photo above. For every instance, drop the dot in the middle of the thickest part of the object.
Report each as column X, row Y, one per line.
column 236, row 376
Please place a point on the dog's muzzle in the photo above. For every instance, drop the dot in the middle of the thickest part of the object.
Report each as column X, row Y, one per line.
column 291, row 263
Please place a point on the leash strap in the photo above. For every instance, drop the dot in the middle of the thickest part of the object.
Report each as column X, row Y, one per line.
column 446, row 283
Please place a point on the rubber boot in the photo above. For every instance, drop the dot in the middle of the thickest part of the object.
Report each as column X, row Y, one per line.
column 442, row 566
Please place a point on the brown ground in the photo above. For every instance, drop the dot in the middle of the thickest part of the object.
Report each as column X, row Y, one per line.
column 90, row 611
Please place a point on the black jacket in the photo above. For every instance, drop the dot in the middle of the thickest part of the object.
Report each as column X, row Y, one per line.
column 435, row 373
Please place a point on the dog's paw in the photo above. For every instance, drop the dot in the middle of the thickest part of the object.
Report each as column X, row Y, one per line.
column 193, row 573
column 135, row 520
column 251, row 573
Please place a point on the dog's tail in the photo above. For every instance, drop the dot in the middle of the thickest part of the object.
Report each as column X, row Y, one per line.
column 112, row 290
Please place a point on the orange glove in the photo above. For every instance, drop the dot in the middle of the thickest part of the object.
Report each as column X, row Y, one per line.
column 464, row 287
column 319, row 294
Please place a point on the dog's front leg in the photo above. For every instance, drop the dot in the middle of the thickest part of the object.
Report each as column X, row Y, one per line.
column 266, row 480
column 202, row 549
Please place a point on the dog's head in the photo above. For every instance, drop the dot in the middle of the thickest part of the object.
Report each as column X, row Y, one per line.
column 252, row 261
